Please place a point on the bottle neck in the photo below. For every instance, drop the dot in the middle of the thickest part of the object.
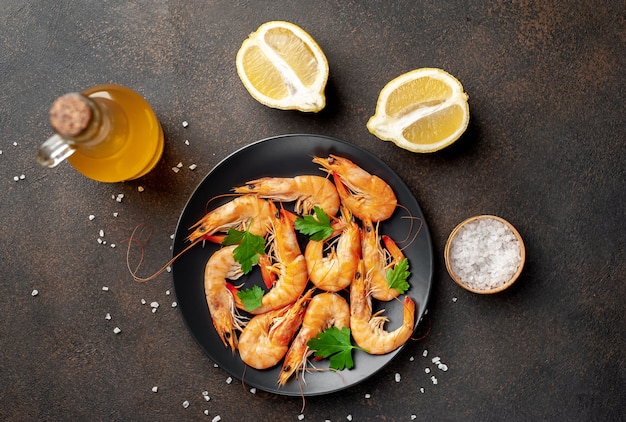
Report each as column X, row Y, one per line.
column 102, row 134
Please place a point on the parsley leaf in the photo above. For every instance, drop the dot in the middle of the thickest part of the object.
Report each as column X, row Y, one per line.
column 318, row 226
column 251, row 298
column 334, row 343
column 397, row 276
column 249, row 247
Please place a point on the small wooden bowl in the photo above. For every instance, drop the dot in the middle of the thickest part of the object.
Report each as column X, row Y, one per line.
column 496, row 289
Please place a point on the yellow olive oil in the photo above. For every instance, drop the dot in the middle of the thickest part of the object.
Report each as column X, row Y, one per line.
column 129, row 142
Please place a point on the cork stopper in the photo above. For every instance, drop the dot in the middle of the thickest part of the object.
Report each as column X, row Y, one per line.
column 70, row 114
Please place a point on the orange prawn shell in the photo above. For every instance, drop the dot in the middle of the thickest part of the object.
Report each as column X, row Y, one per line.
column 323, row 311
column 335, row 271
column 366, row 195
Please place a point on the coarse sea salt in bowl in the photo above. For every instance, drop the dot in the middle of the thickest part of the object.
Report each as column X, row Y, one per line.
column 484, row 254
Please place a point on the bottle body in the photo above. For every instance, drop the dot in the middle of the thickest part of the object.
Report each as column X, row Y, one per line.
column 128, row 142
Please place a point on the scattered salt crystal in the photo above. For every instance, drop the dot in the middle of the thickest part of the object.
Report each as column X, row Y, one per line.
column 411, row 359
column 206, row 412
column 175, row 169
column 154, row 310
column 193, row 166
column 253, row 390
column 179, row 165
column 454, row 299
column 119, row 197
column 443, row 367
column 91, row 217
column 229, row 380
column 205, row 394
column 398, row 377
column 185, row 123
column 218, row 418
column 413, row 417
column 155, row 389
column 300, row 417
column 433, row 379
column 143, row 301
column 349, row 417
column 35, row 292
column 427, row 370
column 112, row 245
column 215, row 365
column 436, row 360
column 422, row 390
column 15, row 178
column 117, row 330
column 154, row 304
column 99, row 241
column 186, row 404
column 0, row 152
column 186, row 141
column 140, row 188
column 115, row 214
column 167, row 292
column 174, row 304
column 168, row 269
column 425, row 353
column 368, row 395
column 22, row 176
column 105, row 288
column 14, row 144
column 107, row 316
column 101, row 233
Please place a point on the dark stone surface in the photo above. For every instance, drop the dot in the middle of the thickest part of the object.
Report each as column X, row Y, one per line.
column 545, row 150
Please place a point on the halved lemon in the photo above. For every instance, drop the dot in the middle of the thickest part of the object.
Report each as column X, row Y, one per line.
column 423, row 110
column 283, row 67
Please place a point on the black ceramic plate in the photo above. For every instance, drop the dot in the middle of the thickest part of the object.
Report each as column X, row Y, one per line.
column 288, row 156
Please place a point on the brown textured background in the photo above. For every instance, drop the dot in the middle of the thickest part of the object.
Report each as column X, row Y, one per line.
column 545, row 150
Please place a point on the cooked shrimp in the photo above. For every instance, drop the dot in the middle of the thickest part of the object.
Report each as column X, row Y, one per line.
column 325, row 310
column 289, row 265
column 220, row 266
column 244, row 212
column 378, row 261
column 335, row 270
column 306, row 190
column 366, row 195
column 368, row 330
column 266, row 338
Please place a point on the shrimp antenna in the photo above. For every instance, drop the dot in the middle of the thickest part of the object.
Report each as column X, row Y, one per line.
column 301, row 395
column 427, row 333
column 133, row 240
column 410, row 238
